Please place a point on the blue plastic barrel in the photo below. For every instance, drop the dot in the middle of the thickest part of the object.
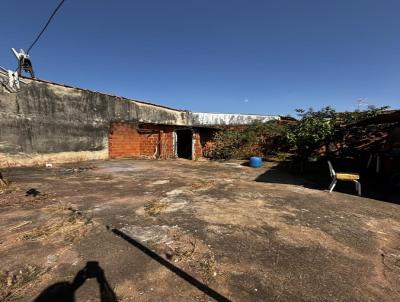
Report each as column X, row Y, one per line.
column 255, row 162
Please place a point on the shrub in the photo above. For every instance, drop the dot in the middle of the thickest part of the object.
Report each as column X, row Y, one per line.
column 252, row 140
column 312, row 131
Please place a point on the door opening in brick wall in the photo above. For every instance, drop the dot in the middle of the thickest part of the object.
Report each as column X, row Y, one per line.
column 184, row 143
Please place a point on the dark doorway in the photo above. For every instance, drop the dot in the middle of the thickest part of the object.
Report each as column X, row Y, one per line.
column 184, row 143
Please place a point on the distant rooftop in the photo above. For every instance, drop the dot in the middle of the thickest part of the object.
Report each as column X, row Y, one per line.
column 229, row 119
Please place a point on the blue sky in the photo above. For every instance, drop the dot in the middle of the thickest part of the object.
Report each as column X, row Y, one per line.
column 266, row 57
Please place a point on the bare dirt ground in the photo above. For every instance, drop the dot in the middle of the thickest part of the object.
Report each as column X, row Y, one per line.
column 212, row 231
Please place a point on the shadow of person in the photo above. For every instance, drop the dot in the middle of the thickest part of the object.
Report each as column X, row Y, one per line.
column 65, row 291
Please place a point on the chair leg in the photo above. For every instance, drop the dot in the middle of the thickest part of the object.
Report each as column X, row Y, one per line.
column 378, row 164
column 369, row 161
column 332, row 185
column 358, row 187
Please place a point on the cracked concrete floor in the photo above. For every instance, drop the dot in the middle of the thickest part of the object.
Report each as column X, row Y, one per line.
column 247, row 240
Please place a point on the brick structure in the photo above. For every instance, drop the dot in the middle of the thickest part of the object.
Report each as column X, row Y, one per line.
column 123, row 141
column 198, row 150
column 156, row 141
column 130, row 140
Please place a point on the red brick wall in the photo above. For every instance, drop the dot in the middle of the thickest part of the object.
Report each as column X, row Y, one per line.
column 167, row 146
column 205, row 144
column 198, row 150
column 128, row 140
column 123, row 141
column 158, row 138
column 148, row 143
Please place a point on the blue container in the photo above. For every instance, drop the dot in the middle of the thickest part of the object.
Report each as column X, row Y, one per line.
column 255, row 162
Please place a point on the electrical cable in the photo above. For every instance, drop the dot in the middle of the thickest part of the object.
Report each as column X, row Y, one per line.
column 47, row 24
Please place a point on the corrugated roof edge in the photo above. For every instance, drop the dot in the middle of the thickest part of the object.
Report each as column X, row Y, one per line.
column 108, row 94
column 230, row 113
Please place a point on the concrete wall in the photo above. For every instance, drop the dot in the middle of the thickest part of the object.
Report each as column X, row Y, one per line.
column 45, row 118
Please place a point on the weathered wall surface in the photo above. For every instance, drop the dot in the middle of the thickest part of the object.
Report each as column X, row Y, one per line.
column 49, row 118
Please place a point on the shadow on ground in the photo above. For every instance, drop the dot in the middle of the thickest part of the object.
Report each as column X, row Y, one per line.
column 315, row 175
column 65, row 291
column 173, row 268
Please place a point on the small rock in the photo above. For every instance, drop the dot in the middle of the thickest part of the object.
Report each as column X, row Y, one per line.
column 174, row 192
column 51, row 259
column 9, row 281
column 161, row 182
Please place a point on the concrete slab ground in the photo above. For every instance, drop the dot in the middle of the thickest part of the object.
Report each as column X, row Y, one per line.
column 191, row 231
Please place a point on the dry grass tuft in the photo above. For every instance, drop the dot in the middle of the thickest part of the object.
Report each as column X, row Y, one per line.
column 69, row 227
column 207, row 266
column 181, row 249
column 202, row 184
column 12, row 283
column 190, row 253
column 60, row 208
column 155, row 207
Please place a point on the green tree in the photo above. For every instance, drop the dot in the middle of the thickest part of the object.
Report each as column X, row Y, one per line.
column 311, row 131
column 324, row 127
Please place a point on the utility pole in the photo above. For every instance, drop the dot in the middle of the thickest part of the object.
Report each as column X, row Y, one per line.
column 360, row 102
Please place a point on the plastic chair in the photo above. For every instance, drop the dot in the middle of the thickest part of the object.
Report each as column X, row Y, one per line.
column 344, row 177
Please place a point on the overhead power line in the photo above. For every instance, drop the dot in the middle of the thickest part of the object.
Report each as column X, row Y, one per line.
column 47, row 24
